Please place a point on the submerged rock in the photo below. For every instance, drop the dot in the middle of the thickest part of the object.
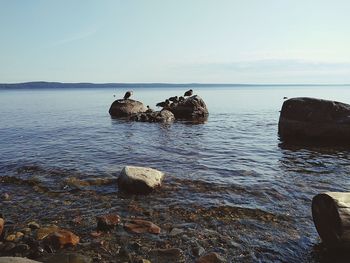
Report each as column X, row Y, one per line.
column 175, row 255
column 191, row 108
column 139, row 180
column 211, row 258
column 314, row 119
column 126, row 107
column 140, row 226
column 107, row 222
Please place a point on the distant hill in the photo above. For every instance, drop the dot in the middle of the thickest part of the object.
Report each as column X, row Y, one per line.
column 60, row 85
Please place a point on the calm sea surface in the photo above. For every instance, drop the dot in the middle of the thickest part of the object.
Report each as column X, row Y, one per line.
column 235, row 159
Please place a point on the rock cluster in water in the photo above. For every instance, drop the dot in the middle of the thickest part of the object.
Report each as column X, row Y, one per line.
column 314, row 120
column 190, row 108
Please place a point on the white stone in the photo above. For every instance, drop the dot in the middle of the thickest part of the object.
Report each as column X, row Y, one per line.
column 139, row 179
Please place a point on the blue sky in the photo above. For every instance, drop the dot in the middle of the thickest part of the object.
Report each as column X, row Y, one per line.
column 182, row 41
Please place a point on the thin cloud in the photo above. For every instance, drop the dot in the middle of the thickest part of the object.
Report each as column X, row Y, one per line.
column 77, row 37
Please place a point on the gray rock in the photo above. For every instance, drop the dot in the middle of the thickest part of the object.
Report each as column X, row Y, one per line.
column 314, row 119
column 154, row 116
column 16, row 260
column 68, row 258
column 176, row 231
column 174, row 255
column 139, row 180
column 191, row 108
column 125, row 108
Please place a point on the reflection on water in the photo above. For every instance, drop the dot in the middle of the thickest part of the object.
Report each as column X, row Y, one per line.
column 232, row 170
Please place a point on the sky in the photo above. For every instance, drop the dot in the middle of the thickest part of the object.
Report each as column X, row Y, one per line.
column 182, row 41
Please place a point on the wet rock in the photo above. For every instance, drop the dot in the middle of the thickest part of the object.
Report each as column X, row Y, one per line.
column 6, row 196
column 2, row 223
column 16, row 260
column 11, row 237
column 211, row 258
column 62, row 238
column 125, row 108
column 314, row 119
column 140, row 226
column 174, row 255
column 33, row 225
column 198, row 250
column 21, row 248
column 45, row 231
column 155, row 116
column 107, row 222
column 68, row 258
column 139, row 180
column 8, row 246
column 191, row 108
column 176, row 231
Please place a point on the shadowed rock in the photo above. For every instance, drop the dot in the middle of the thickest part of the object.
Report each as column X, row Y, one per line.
column 154, row 116
column 190, row 108
column 126, row 107
column 314, row 119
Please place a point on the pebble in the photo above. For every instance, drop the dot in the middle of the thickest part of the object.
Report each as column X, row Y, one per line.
column 6, row 196
column 140, row 226
column 11, row 237
column 175, row 255
column 198, row 250
column 176, row 231
column 45, row 231
column 62, row 238
column 211, row 258
column 68, row 258
column 107, row 222
column 33, row 225
column 2, row 222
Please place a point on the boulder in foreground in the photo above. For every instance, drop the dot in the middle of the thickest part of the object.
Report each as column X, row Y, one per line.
column 191, row 108
column 139, row 180
column 126, row 107
column 314, row 119
column 331, row 215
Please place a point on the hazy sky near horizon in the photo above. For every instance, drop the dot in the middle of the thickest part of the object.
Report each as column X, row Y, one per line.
column 182, row 41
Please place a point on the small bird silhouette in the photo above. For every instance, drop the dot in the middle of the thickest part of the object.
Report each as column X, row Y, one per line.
column 188, row 93
column 173, row 99
column 128, row 94
column 163, row 103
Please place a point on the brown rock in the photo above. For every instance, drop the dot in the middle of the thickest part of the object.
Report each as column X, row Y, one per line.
column 211, row 258
column 2, row 222
column 192, row 108
column 141, row 226
column 62, row 238
column 124, row 108
column 107, row 222
column 45, row 231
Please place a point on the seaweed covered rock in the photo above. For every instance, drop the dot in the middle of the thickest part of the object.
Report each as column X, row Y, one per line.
column 314, row 119
column 126, row 107
column 153, row 116
column 139, row 180
column 191, row 108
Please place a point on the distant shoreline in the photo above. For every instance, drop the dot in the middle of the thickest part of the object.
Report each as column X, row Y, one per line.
column 53, row 85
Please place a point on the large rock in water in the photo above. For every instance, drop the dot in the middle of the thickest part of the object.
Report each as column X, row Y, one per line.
column 314, row 119
column 191, row 108
column 153, row 116
column 139, row 180
column 125, row 108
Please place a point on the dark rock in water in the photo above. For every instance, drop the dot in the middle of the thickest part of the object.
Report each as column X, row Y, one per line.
column 314, row 119
column 125, row 108
column 139, row 180
column 107, row 222
column 175, row 255
column 190, row 108
column 153, row 116
column 68, row 258
column 211, row 258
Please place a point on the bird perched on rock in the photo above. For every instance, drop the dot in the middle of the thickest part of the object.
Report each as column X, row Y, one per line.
column 188, row 93
column 128, row 94
column 174, row 99
column 149, row 110
column 163, row 104
column 181, row 99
